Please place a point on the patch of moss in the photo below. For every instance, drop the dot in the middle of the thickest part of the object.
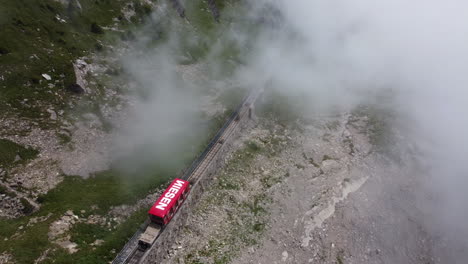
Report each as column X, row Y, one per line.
column 230, row 98
column 4, row 190
column 269, row 181
column 252, row 146
column 379, row 128
column 28, row 208
column 258, row 227
column 84, row 234
column 286, row 109
column 340, row 257
column 96, row 29
column 9, row 151
column 256, row 205
column 64, row 138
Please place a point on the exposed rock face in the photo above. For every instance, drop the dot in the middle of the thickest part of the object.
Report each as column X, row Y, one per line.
column 5, row 258
column 178, row 7
column 10, row 207
column 81, row 69
column 329, row 166
column 14, row 203
column 53, row 114
column 214, row 10
column 75, row 88
column 58, row 231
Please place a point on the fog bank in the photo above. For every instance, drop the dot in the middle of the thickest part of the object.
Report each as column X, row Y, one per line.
column 344, row 53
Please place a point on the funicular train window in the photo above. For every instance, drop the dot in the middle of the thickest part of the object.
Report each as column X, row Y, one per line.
column 159, row 220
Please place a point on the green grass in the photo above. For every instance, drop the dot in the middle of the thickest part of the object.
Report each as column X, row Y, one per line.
column 340, row 256
column 105, row 189
column 33, row 41
column 4, row 190
column 208, row 41
column 64, row 138
column 379, row 128
column 286, row 109
column 9, row 150
column 231, row 97
column 27, row 207
column 30, row 247
column 84, row 234
column 253, row 147
column 255, row 205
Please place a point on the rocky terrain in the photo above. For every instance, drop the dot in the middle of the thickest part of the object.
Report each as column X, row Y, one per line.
column 320, row 192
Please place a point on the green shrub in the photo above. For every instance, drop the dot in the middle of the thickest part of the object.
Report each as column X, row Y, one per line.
column 27, row 207
column 9, row 150
column 96, row 29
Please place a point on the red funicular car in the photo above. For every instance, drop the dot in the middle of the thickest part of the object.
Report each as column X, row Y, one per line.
column 165, row 207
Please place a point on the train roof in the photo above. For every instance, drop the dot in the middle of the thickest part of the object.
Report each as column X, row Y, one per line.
column 168, row 198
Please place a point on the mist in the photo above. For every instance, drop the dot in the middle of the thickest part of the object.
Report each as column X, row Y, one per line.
column 341, row 54
column 176, row 71
column 164, row 120
column 337, row 55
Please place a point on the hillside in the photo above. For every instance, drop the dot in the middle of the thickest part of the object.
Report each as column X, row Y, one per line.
column 65, row 95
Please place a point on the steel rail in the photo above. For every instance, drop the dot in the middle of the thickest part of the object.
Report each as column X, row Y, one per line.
column 215, row 139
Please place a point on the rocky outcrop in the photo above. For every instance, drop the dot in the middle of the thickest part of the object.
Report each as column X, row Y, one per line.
column 58, row 232
column 14, row 204
column 81, row 68
column 214, row 10
column 179, row 8
column 75, row 88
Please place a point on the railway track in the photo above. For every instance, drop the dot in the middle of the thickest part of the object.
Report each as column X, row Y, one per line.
column 132, row 253
column 136, row 257
column 203, row 161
